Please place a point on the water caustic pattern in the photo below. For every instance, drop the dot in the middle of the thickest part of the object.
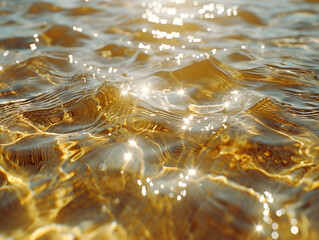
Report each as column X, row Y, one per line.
column 169, row 119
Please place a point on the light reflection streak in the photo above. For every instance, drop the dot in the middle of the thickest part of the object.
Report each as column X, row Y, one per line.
column 274, row 235
column 6, row 53
column 192, row 172
column 275, row 226
column 124, row 92
column 259, row 228
column 175, row 188
column 71, row 58
column 33, row 46
column 132, row 143
column 143, row 191
column 165, row 47
column 181, row 92
column 178, row 21
column 79, row 29
column 280, row 212
column 294, row 230
column 162, row 34
column 127, row 156
column 102, row 167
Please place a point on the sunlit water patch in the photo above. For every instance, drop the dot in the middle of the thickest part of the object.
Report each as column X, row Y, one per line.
column 169, row 119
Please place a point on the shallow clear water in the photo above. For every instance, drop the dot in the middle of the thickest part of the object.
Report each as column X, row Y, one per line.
column 169, row 119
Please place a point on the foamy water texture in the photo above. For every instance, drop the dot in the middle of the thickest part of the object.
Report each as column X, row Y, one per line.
column 168, row 119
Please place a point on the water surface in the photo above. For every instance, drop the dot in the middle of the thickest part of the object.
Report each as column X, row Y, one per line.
column 168, row 119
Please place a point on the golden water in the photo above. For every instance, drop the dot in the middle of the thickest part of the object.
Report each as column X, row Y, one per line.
column 168, row 119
